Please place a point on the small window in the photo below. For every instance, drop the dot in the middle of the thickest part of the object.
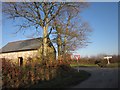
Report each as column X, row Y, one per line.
column 20, row 60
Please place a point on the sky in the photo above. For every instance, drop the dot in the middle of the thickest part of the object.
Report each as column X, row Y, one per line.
column 103, row 19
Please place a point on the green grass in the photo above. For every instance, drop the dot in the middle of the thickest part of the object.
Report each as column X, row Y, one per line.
column 113, row 65
column 69, row 80
column 84, row 65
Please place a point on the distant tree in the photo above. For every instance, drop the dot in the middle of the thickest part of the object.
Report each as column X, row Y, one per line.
column 101, row 55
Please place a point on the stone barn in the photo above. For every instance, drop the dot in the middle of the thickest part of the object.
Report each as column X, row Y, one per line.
column 20, row 51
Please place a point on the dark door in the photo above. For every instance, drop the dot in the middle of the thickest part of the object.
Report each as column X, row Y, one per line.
column 20, row 61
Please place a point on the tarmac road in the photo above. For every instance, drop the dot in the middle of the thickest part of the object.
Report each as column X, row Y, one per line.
column 100, row 78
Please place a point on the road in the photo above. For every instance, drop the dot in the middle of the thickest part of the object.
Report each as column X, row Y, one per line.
column 100, row 78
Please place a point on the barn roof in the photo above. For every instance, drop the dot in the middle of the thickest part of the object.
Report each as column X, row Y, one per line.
column 23, row 45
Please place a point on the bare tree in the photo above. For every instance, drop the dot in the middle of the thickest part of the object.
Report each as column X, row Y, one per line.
column 39, row 14
column 71, row 34
column 57, row 27
column 78, row 36
column 71, row 38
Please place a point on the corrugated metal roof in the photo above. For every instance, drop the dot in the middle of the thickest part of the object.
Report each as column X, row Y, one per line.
column 22, row 45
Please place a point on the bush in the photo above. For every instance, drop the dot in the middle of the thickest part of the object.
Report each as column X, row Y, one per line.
column 15, row 76
column 83, row 61
column 101, row 62
column 115, row 59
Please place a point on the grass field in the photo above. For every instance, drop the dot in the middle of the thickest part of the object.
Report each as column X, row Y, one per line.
column 84, row 65
column 111, row 65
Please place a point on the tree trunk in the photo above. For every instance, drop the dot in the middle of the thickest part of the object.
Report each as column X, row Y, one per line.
column 45, row 32
column 65, row 39
column 44, row 56
column 45, row 41
column 59, row 46
column 64, row 48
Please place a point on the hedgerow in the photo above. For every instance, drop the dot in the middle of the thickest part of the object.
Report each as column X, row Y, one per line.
column 15, row 76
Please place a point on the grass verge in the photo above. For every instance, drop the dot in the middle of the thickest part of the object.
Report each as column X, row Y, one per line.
column 68, row 80
column 84, row 65
column 113, row 65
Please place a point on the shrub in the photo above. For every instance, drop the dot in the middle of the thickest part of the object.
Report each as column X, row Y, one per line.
column 115, row 59
column 101, row 62
column 15, row 76
column 83, row 61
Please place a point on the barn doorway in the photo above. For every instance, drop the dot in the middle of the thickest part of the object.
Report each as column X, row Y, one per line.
column 20, row 61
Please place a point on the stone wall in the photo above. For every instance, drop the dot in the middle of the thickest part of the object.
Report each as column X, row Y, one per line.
column 14, row 55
